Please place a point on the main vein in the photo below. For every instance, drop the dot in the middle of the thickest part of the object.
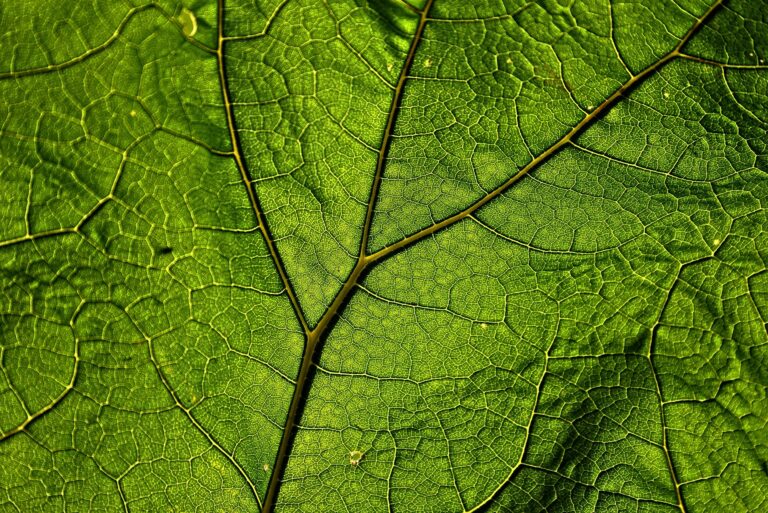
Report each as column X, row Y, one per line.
column 312, row 348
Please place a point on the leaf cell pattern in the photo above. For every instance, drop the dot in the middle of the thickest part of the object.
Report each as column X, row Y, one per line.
column 377, row 256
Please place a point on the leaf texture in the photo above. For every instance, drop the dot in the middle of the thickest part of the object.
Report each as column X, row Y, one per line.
column 395, row 255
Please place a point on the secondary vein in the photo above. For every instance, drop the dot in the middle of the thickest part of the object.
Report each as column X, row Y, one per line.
column 549, row 152
column 237, row 154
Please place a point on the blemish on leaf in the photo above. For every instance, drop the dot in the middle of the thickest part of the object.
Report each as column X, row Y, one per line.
column 188, row 22
column 390, row 66
column 428, row 63
column 484, row 325
column 355, row 457
column 132, row 113
column 265, row 468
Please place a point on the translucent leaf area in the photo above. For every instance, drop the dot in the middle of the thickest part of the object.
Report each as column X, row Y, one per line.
column 384, row 256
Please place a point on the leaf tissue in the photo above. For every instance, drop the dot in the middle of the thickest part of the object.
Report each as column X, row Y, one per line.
column 384, row 256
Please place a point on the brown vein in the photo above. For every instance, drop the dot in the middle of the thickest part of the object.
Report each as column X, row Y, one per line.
column 303, row 382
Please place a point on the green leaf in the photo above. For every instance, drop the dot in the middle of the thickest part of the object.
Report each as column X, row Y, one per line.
column 422, row 255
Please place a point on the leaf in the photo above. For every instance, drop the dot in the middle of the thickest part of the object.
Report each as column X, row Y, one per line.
column 346, row 256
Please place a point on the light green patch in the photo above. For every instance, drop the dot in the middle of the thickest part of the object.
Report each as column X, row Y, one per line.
column 188, row 22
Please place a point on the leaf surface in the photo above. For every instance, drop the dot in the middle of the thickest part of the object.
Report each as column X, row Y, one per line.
column 443, row 256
